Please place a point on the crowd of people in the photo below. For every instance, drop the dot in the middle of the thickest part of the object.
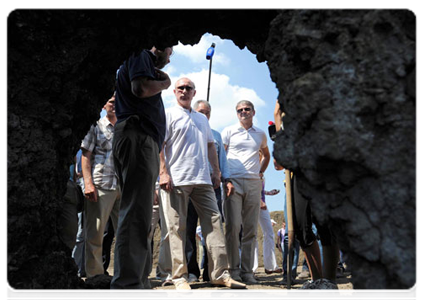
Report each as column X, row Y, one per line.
column 141, row 165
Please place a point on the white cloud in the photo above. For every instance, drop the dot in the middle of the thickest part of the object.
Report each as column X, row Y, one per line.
column 197, row 53
column 223, row 97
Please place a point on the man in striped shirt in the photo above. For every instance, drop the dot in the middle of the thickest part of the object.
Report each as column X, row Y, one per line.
column 101, row 189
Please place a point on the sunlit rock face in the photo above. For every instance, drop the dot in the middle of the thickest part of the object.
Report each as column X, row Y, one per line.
column 347, row 85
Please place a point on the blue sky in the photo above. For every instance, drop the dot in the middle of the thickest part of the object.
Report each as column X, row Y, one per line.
column 236, row 75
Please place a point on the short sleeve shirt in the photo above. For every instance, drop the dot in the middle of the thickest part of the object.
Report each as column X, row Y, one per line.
column 243, row 150
column 187, row 136
column 149, row 110
column 99, row 142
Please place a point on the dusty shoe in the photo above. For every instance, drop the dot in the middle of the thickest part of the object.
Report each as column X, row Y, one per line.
column 277, row 270
column 226, row 280
column 324, row 289
column 249, row 279
column 304, row 275
column 236, row 277
column 181, row 284
column 303, row 291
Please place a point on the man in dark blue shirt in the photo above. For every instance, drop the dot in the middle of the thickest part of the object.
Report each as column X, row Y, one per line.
column 139, row 135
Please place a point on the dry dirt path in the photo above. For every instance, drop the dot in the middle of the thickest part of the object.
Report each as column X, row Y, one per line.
column 268, row 288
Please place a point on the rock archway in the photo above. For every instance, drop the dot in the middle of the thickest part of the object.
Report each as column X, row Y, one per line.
column 346, row 81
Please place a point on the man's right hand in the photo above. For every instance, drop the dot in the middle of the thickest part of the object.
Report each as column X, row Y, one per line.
column 91, row 192
column 166, row 182
column 162, row 76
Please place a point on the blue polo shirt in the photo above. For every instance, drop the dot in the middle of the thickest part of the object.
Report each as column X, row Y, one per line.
column 149, row 110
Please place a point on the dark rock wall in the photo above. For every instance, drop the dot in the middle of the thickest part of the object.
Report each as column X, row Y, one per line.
column 61, row 70
column 346, row 81
column 347, row 86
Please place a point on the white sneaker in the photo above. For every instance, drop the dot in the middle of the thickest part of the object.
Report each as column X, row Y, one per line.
column 181, row 284
column 304, row 291
column 324, row 289
column 192, row 278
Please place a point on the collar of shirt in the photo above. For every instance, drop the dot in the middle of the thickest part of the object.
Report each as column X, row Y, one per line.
column 241, row 128
column 105, row 122
column 188, row 111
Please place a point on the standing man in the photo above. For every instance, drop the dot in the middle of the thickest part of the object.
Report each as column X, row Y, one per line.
column 243, row 142
column 101, row 188
column 204, row 107
column 139, row 134
column 184, row 174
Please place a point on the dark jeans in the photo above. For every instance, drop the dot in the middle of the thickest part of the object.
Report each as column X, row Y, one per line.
column 136, row 159
column 191, row 245
column 108, row 236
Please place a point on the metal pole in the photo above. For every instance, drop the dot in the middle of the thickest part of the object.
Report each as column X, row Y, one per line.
column 209, row 56
column 208, row 88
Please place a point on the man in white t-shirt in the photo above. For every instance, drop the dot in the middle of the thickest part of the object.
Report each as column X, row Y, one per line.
column 242, row 142
column 184, row 173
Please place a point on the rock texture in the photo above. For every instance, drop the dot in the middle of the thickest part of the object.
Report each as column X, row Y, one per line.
column 347, row 86
column 346, row 82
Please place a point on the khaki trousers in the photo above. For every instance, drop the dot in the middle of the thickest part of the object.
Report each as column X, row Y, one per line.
column 96, row 217
column 164, row 265
column 242, row 208
column 176, row 209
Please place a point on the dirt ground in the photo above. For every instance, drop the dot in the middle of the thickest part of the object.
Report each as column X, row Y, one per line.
column 266, row 281
column 268, row 288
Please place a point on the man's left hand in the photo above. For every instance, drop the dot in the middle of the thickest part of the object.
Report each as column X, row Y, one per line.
column 230, row 189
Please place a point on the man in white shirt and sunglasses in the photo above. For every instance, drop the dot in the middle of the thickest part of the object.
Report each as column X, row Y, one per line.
column 184, row 173
column 242, row 143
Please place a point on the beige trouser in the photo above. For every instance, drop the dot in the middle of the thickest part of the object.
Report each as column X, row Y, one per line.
column 242, row 208
column 176, row 209
column 164, row 265
column 96, row 217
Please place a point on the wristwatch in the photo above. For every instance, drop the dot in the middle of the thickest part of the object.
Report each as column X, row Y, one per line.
column 227, row 180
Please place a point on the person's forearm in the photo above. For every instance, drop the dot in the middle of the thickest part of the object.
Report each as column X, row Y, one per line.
column 153, row 87
column 163, row 169
column 223, row 163
column 212, row 156
column 86, row 167
column 145, row 87
column 264, row 164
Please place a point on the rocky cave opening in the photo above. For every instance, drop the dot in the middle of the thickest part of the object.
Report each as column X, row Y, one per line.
column 346, row 80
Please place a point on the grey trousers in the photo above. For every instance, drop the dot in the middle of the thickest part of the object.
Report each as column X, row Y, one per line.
column 136, row 158
column 176, row 210
column 242, row 208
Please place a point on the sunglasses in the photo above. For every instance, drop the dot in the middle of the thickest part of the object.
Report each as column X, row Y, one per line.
column 243, row 109
column 185, row 87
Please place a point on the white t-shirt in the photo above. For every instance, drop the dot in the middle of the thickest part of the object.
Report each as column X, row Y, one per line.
column 186, row 152
column 243, row 150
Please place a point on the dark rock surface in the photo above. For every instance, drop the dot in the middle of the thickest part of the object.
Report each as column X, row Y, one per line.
column 346, row 82
column 347, row 86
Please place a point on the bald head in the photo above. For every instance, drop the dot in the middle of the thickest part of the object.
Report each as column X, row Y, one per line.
column 184, row 79
column 184, row 92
